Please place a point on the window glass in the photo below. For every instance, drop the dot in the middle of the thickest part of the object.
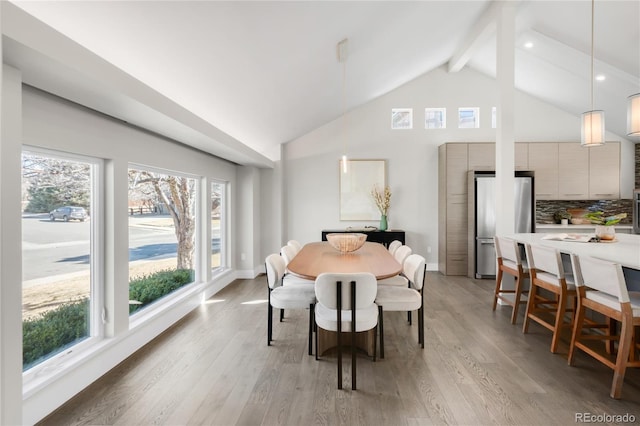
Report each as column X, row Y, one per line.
column 162, row 228
column 435, row 118
column 57, row 254
column 402, row 118
column 468, row 118
column 217, row 224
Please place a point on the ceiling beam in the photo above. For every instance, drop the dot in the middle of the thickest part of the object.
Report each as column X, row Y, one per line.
column 483, row 28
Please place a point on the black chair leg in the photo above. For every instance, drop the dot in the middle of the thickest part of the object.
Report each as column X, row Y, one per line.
column 281, row 314
column 381, row 325
column 409, row 317
column 311, row 320
column 353, row 335
column 421, row 326
column 269, row 324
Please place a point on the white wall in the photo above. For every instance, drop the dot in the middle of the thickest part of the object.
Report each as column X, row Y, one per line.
column 311, row 161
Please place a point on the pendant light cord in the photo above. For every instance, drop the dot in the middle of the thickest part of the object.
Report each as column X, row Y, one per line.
column 593, row 3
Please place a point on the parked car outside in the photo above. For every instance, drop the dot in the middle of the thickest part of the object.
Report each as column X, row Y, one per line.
column 68, row 213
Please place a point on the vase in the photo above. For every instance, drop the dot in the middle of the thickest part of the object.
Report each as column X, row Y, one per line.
column 383, row 223
column 606, row 233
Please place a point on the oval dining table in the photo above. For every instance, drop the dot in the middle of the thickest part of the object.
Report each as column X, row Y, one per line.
column 315, row 258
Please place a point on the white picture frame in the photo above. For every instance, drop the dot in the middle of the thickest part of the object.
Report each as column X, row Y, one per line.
column 356, row 202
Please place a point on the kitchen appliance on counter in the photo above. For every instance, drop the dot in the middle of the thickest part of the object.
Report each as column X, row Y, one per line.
column 482, row 218
column 636, row 211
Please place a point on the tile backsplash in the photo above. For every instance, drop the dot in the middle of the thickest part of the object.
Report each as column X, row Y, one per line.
column 546, row 208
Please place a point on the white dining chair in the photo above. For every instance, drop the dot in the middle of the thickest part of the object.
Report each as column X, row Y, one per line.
column 394, row 298
column 295, row 244
column 401, row 253
column 291, row 297
column 288, row 253
column 393, row 246
column 345, row 302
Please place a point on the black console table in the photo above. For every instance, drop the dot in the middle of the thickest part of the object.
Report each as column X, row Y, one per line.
column 375, row 236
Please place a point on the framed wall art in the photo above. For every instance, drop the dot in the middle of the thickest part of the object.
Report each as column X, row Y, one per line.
column 356, row 184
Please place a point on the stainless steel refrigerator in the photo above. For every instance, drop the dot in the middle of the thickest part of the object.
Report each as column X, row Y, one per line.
column 485, row 218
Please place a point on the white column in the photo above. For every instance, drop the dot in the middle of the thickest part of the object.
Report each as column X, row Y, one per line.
column 505, row 139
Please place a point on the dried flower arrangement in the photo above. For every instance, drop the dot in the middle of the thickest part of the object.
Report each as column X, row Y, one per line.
column 382, row 199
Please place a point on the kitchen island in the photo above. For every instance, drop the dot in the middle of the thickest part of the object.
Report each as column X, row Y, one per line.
column 625, row 250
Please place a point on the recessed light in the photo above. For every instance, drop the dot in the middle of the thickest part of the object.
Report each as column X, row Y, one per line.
column 601, row 77
column 528, row 44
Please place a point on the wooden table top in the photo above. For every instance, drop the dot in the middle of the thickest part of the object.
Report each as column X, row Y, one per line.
column 319, row 257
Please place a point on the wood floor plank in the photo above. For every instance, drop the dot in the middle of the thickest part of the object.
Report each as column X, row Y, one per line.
column 214, row 368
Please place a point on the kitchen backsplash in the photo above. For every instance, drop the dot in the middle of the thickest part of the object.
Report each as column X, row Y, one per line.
column 546, row 208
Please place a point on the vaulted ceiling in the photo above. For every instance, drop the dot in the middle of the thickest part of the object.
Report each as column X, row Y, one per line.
column 266, row 72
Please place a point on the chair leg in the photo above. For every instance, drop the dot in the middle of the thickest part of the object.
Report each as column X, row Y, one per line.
column 409, row 317
column 375, row 340
column 339, row 320
column 576, row 333
column 353, row 335
column 562, row 301
column 533, row 291
column 421, row 326
column 269, row 324
column 497, row 290
column 311, row 321
column 624, row 346
column 281, row 314
column 316, row 334
column 381, row 325
column 516, row 305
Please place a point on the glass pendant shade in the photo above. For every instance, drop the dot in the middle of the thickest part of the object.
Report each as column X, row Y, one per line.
column 592, row 128
column 633, row 115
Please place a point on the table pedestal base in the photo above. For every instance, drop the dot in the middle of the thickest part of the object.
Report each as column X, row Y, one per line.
column 328, row 340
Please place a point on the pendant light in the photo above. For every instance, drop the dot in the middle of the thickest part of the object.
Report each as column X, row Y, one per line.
column 342, row 53
column 633, row 115
column 592, row 133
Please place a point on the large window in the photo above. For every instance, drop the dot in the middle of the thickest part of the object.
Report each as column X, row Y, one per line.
column 60, row 286
column 162, row 227
column 217, row 224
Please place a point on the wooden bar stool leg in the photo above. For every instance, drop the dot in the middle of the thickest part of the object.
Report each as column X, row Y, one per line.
column 626, row 333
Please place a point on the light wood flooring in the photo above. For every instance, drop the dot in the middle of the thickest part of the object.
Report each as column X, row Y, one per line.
column 214, row 368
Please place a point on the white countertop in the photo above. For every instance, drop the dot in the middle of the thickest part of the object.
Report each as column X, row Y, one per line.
column 575, row 227
column 625, row 250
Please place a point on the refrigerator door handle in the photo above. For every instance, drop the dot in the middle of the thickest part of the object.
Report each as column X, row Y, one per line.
column 487, row 242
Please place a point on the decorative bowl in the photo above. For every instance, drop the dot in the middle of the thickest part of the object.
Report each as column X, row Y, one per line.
column 346, row 243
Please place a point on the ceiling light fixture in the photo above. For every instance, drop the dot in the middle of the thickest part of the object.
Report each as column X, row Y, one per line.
column 633, row 115
column 342, row 53
column 592, row 132
column 601, row 77
column 528, row 44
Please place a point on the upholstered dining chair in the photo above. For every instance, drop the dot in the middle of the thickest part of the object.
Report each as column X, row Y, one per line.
column 399, row 280
column 602, row 288
column 290, row 297
column 393, row 246
column 547, row 272
column 510, row 262
column 288, row 253
column 345, row 302
column 393, row 298
column 295, row 244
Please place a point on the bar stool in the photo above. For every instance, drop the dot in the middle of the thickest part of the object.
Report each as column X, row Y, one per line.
column 547, row 272
column 602, row 288
column 511, row 263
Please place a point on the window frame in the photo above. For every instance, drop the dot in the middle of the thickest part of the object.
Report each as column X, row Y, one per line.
column 224, row 264
column 476, row 115
column 97, row 308
column 442, row 110
column 149, row 311
column 402, row 110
